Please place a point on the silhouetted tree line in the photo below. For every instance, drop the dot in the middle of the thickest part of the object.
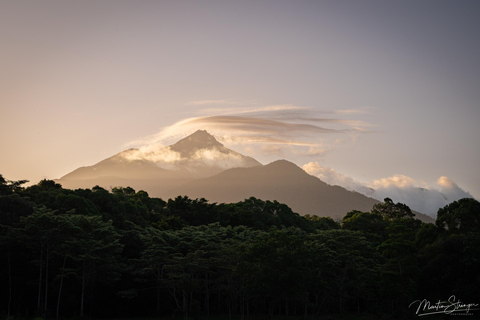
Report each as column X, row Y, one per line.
column 122, row 253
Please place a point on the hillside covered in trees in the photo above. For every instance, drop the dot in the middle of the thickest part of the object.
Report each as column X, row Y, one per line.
column 120, row 253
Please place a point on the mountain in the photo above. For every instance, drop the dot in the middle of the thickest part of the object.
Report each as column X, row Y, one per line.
column 282, row 181
column 202, row 155
column 196, row 156
column 200, row 166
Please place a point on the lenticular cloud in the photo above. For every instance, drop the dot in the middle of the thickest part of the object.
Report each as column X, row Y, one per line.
column 400, row 188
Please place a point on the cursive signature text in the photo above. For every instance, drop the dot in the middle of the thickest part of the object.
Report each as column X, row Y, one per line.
column 452, row 305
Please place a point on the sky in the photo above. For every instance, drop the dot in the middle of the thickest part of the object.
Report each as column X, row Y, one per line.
column 375, row 94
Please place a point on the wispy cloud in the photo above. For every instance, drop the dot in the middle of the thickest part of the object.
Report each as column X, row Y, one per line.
column 250, row 109
column 280, row 129
column 363, row 110
column 259, row 125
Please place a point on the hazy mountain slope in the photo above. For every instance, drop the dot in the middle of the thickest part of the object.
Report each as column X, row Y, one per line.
column 118, row 166
column 118, row 171
column 198, row 155
column 282, row 181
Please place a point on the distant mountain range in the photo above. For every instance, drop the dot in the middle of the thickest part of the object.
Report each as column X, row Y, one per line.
column 200, row 166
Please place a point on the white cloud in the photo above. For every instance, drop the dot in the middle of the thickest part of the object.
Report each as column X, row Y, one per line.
column 400, row 188
column 451, row 190
column 332, row 177
column 164, row 157
column 416, row 195
column 215, row 158
column 398, row 181
column 167, row 158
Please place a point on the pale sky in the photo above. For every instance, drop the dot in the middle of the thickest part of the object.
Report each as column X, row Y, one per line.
column 370, row 89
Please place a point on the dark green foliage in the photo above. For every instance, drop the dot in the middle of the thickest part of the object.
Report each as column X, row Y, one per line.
column 262, row 215
column 322, row 223
column 390, row 210
column 449, row 254
column 8, row 187
column 460, row 216
column 372, row 225
column 124, row 254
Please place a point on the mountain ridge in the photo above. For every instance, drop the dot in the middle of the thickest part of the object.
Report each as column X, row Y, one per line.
column 280, row 180
column 201, row 167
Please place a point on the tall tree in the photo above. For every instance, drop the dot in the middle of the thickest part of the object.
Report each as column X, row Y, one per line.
column 42, row 230
column 390, row 210
column 460, row 216
column 95, row 252
column 400, row 272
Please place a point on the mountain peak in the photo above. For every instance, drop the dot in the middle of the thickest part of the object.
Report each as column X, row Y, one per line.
column 284, row 166
column 200, row 139
column 202, row 135
column 198, row 155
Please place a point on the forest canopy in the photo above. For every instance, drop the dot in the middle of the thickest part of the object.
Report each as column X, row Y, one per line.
column 119, row 252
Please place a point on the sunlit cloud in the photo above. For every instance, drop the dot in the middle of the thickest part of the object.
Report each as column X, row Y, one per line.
column 269, row 130
column 216, row 158
column 400, row 188
column 451, row 190
column 333, row 177
column 165, row 157
column 398, row 180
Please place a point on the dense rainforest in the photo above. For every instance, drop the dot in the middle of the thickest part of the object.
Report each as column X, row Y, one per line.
column 120, row 253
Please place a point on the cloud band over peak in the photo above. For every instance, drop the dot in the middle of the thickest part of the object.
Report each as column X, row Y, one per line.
column 294, row 130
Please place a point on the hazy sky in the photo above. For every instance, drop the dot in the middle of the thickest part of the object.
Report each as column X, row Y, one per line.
column 371, row 89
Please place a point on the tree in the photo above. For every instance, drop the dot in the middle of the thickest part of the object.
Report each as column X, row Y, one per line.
column 13, row 207
column 400, row 272
column 351, row 275
column 193, row 212
column 79, row 205
column 274, row 270
column 450, row 254
column 10, row 243
column 426, row 235
column 322, row 223
column 8, row 187
column 390, row 210
column 4, row 189
column 460, row 216
column 95, row 251
column 41, row 229
column 372, row 225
